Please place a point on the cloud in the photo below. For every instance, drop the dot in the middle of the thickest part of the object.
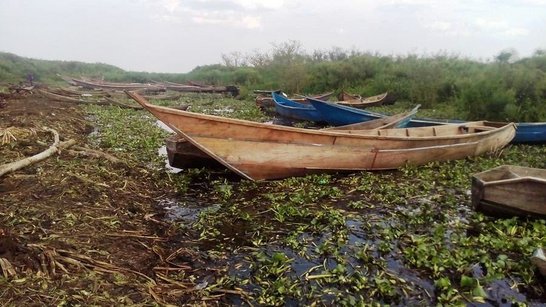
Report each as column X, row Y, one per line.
column 171, row 5
column 245, row 14
column 260, row 4
column 500, row 27
column 516, row 32
column 230, row 19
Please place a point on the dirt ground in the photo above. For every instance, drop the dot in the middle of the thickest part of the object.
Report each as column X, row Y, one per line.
column 83, row 230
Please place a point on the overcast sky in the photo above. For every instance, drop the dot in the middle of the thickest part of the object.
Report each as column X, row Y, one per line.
column 177, row 35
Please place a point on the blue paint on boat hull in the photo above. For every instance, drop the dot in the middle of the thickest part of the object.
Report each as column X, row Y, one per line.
column 334, row 114
column 292, row 109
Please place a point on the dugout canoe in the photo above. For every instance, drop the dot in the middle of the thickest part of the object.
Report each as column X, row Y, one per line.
column 260, row 151
column 510, row 190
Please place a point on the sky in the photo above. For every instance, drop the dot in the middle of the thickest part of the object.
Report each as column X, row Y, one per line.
column 178, row 35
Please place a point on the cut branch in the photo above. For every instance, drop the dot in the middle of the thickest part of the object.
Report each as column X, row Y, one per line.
column 56, row 147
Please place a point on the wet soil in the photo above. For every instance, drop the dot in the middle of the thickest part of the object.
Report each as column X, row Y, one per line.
column 82, row 230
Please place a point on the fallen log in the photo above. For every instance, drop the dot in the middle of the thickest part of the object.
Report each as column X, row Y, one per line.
column 54, row 148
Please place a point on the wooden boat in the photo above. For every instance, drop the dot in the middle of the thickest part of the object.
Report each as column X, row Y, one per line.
column 266, row 101
column 194, row 87
column 288, row 108
column 260, row 151
column 539, row 260
column 387, row 122
column 510, row 190
column 344, row 96
column 182, row 154
column 526, row 132
column 335, row 114
column 319, row 110
column 58, row 97
column 359, row 102
column 118, row 86
column 530, row 133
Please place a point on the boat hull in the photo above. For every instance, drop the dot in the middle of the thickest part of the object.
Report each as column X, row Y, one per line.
column 288, row 108
column 526, row 132
column 336, row 114
column 260, row 151
column 510, row 191
column 183, row 154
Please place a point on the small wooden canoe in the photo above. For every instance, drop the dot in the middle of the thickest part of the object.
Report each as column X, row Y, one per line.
column 259, row 151
column 510, row 190
column 359, row 102
column 539, row 260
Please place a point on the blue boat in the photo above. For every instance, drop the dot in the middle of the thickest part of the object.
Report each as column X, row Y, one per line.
column 334, row 114
column 526, row 133
column 530, row 133
column 296, row 110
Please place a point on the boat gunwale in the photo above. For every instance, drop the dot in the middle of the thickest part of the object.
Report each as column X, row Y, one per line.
column 514, row 180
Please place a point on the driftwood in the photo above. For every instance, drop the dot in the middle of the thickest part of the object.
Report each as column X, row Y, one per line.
column 54, row 148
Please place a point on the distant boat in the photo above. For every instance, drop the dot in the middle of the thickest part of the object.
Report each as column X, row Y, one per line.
column 359, row 102
column 510, row 190
column 117, row 86
column 259, row 151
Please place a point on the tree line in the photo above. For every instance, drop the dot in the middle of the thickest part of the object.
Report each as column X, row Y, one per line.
column 503, row 88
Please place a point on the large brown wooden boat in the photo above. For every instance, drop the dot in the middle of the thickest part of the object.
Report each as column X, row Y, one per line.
column 260, row 151
column 182, row 154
